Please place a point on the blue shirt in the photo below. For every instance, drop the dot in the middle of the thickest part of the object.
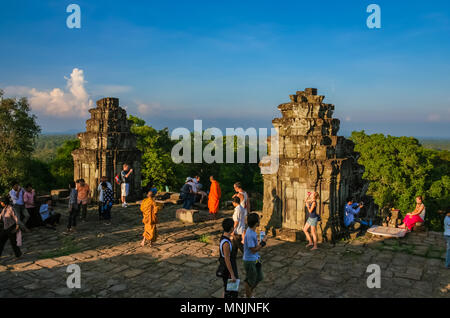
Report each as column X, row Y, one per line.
column 250, row 240
column 44, row 212
column 447, row 226
column 350, row 212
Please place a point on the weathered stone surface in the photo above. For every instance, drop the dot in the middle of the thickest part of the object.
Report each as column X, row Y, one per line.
column 188, row 216
column 105, row 146
column 311, row 158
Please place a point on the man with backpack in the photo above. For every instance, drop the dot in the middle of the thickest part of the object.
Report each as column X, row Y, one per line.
column 187, row 194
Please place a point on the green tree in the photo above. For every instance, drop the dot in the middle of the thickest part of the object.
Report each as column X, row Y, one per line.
column 61, row 167
column 399, row 169
column 18, row 131
column 157, row 167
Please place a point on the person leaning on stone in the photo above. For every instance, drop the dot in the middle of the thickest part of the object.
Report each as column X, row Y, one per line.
column 125, row 185
column 447, row 238
column 350, row 214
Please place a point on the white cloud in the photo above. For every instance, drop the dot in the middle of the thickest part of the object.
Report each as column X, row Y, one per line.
column 74, row 101
column 148, row 108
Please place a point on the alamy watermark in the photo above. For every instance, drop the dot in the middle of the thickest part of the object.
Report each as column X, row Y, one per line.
column 208, row 146
column 374, row 279
column 73, row 21
column 74, row 279
column 374, row 20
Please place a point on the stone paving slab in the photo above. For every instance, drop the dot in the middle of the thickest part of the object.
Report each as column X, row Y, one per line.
column 184, row 260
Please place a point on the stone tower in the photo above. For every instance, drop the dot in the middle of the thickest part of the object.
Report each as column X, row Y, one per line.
column 311, row 158
column 105, row 146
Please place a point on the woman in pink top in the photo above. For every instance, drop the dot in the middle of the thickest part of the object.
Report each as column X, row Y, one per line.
column 30, row 204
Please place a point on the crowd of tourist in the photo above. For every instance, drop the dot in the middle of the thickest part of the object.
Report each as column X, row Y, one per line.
column 20, row 211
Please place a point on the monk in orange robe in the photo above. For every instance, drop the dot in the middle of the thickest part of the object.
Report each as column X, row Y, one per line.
column 149, row 210
column 214, row 196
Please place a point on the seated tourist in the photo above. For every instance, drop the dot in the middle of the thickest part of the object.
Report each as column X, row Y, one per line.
column 414, row 217
column 350, row 213
column 187, row 195
column 199, row 187
column 48, row 216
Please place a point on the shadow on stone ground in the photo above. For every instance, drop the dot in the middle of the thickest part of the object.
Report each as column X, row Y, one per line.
column 184, row 261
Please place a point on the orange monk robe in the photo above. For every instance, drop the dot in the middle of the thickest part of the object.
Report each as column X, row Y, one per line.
column 214, row 197
column 149, row 210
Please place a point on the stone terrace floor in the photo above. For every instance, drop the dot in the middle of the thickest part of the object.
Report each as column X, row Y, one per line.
column 184, row 261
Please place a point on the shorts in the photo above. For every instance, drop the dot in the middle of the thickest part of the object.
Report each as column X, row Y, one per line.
column 312, row 221
column 254, row 274
column 125, row 188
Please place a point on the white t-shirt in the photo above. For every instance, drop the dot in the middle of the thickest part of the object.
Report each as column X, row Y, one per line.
column 239, row 216
column 244, row 202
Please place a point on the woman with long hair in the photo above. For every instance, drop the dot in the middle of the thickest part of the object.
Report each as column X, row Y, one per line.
column 311, row 222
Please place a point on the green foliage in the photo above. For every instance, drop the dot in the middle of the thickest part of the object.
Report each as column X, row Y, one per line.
column 61, row 166
column 159, row 169
column 18, row 131
column 157, row 165
column 399, row 169
column 47, row 145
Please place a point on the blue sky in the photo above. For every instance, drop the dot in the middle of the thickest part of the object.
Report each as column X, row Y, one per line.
column 231, row 63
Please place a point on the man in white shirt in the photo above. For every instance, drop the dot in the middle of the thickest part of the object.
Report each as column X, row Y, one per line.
column 101, row 194
column 16, row 195
column 239, row 218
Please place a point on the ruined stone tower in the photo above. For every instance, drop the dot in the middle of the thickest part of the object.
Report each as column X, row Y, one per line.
column 105, row 146
column 311, row 158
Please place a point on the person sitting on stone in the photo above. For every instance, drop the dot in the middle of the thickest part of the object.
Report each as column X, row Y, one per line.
column 350, row 213
column 187, row 194
column 48, row 215
column 416, row 216
column 198, row 187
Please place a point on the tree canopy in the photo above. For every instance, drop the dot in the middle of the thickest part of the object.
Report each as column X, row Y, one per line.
column 18, row 131
column 399, row 169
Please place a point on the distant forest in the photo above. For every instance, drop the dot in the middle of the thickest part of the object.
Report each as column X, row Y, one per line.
column 46, row 146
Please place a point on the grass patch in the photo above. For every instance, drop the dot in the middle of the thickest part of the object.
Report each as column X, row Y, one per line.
column 204, row 238
column 68, row 247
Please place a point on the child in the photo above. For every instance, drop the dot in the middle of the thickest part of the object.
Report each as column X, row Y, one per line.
column 73, row 208
column 447, row 237
column 239, row 217
column 311, row 222
column 252, row 262
column 227, row 257
column 108, row 199
column 49, row 217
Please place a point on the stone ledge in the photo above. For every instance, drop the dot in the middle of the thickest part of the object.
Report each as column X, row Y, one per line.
column 188, row 216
